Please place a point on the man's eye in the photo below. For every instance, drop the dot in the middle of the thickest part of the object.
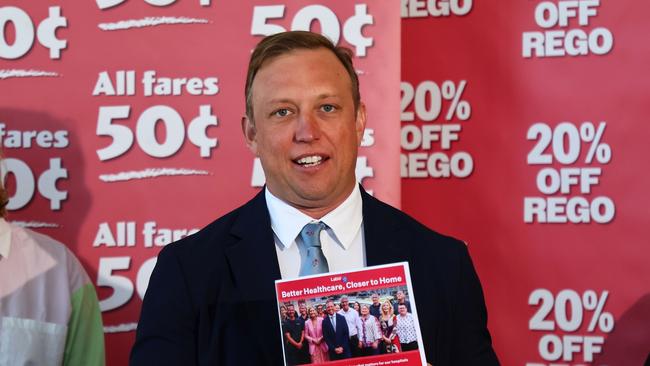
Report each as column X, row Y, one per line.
column 283, row 112
column 328, row 108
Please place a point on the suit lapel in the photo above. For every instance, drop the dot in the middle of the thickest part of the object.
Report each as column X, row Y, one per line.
column 254, row 267
column 328, row 323
column 382, row 236
column 340, row 319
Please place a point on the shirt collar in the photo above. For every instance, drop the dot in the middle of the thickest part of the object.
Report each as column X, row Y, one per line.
column 343, row 222
column 5, row 238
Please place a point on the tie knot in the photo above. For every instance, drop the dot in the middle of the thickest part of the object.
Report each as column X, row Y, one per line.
column 312, row 259
column 310, row 233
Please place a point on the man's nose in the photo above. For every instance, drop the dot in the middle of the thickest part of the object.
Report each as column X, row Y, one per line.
column 308, row 128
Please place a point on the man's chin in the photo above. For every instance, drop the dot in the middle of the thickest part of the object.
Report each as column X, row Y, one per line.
column 314, row 196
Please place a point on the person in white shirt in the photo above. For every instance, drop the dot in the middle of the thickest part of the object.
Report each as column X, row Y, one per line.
column 354, row 324
column 406, row 330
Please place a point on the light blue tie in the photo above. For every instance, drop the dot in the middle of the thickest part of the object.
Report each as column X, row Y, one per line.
column 312, row 259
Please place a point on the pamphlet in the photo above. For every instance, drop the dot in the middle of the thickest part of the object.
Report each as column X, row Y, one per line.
column 365, row 317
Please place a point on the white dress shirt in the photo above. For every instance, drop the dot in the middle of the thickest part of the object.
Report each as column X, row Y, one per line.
column 352, row 318
column 342, row 242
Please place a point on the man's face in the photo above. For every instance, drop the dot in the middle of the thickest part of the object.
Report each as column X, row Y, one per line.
column 375, row 299
column 400, row 295
column 303, row 309
column 345, row 304
column 291, row 312
column 401, row 309
column 330, row 308
column 305, row 130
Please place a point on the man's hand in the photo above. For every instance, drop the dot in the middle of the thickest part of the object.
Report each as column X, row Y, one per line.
column 360, row 344
column 338, row 350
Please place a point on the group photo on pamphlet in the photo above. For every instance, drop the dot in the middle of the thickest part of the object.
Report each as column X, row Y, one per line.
column 323, row 322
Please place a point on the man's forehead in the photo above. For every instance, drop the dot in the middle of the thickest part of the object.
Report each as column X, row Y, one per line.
column 281, row 93
column 301, row 55
column 280, row 69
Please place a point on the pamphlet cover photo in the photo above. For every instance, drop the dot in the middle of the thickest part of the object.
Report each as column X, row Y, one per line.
column 365, row 317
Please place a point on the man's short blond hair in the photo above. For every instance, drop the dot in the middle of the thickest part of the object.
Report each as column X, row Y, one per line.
column 283, row 43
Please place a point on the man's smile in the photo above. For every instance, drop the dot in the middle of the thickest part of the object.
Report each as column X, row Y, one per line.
column 311, row 160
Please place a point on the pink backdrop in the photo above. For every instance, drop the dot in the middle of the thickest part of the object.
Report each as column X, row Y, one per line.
column 569, row 283
column 521, row 133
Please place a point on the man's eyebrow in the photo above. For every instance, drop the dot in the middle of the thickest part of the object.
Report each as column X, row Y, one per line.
column 288, row 100
column 279, row 100
column 326, row 95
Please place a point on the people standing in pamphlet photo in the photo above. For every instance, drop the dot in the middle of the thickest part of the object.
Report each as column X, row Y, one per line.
column 401, row 299
column 375, row 307
column 336, row 333
column 314, row 335
column 295, row 346
column 208, row 297
column 387, row 323
column 406, row 329
column 303, row 311
column 356, row 306
column 283, row 313
column 369, row 333
column 354, row 325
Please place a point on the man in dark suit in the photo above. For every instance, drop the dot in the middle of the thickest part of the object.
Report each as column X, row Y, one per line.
column 211, row 295
column 336, row 334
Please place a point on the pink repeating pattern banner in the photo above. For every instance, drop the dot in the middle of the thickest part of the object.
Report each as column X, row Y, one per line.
column 120, row 122
column 523, row 133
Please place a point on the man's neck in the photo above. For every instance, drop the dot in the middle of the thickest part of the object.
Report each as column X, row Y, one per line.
column 316, row 210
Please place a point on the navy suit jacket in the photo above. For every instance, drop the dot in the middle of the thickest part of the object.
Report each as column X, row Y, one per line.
column 338, row 338
column 211, row 297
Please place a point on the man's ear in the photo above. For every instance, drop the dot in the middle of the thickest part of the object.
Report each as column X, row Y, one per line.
column 360, row 123
column 250, row 133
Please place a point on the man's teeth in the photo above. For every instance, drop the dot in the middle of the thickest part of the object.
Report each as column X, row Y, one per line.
column 310, row 160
